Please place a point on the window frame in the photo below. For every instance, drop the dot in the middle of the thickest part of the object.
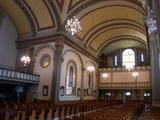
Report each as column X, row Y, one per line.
column 71, row 63
column 90, row 77
column 129, row 56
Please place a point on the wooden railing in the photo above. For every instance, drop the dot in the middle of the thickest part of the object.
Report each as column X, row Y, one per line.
column 121, row 78
column 12, row 75
column 129, row 85
column 136, row 68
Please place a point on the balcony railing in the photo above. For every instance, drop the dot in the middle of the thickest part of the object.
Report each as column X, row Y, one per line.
column 7, row 75
column 133, row 85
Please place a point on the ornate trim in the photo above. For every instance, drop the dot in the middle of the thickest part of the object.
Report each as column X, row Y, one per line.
column 28, row 15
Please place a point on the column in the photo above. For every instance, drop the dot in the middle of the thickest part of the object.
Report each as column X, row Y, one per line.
column 1, row 16
column 57, row 71
column 31, row 65
column 155, row 70
column 156, row 48
column 154, row 52
column 82, row 83
column 156, row 4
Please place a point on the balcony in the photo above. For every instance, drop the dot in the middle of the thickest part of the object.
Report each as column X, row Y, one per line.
column 138, row 85
column 10, row 76
column 121, row 78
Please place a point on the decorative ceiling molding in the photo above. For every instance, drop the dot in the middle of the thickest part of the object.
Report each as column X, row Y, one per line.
column 55, row 11
column 119, row 38
column 83, row 7
column 111, row 31
column 78, row 4
column 132, row 20
column 18, row 17
column 119, row 43
column 110, row 24
column 88, row 23
column 41, row 13
column 28, row 15
column 107, row 35
column 60, row 4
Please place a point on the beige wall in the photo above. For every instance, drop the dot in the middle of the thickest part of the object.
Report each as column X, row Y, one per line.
column 123, row 76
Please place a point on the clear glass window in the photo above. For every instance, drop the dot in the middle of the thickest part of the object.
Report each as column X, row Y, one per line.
column 71, row 78
column 142, row 57
column 128, row 57
column 115, row 60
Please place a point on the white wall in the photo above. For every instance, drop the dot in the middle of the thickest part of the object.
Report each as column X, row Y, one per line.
column 45, row 73
column 82, row 62
column 68, row 56
column 8, row 36
column 69, row 53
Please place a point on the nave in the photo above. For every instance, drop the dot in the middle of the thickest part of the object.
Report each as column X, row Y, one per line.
column 79, row 59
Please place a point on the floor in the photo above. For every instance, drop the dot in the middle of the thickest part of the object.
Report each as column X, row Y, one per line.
column 143, row 116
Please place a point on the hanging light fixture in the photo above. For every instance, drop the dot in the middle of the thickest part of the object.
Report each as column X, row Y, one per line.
column 25, row 60
column 135, row 74
column 90, row 68
column 129, row 67
column 73, row 25
column 105, row 76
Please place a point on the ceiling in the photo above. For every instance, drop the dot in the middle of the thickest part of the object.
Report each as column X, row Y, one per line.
column 121, row 44
column 103, row 21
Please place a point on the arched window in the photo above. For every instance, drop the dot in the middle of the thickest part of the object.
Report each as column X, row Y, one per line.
column 71, row 78
column 128, row 57
column 142, row 57
column 115, row 61
column 90, row 71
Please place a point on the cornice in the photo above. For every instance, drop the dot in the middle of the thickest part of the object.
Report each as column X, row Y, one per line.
column 27, row 43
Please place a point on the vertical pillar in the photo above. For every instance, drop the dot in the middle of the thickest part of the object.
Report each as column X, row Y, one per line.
column 1, row 16
column 82, row 83
column 153, row 25
column 57, row 71
column 31, row 65
column 154, row 53
column 157, row 9
column 155, row 70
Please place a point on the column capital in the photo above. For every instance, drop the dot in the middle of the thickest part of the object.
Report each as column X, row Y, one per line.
column 59, row 43
column 152, row 24
column 83, row 69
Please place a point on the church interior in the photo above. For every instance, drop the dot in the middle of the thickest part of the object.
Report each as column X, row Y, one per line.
column 79, row 60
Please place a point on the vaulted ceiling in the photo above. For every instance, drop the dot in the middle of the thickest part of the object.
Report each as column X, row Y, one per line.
column 104, row 22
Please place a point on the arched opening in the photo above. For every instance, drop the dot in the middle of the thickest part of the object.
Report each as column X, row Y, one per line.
column 71, row 78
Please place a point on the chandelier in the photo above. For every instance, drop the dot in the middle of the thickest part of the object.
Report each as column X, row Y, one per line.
column 25, row 60
column 73, row 25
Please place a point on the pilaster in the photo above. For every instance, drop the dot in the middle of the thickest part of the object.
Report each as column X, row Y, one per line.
column 57, row 70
